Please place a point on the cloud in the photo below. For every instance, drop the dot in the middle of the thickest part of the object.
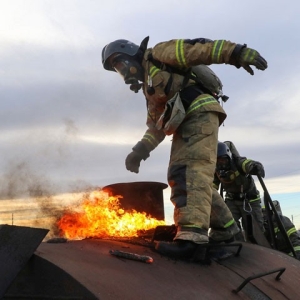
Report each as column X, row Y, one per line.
column 67, row 120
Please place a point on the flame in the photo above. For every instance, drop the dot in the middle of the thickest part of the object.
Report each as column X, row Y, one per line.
column 100, row 216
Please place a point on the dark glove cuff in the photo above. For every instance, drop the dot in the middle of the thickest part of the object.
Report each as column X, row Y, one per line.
column 235, row 55
column 141, row 149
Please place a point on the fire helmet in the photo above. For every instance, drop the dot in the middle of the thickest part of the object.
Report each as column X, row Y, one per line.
column 123, row 47
column 117, row 47
column 125, row 58
column 224, row 162
column 223, row 150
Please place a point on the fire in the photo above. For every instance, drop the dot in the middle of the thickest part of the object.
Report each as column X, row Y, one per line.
column 100, row 216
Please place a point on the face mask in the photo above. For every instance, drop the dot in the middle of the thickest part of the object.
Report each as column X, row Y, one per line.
column 223, row 164
column 130, row 71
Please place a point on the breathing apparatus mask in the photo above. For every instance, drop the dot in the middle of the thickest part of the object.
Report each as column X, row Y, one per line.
column 223, row 165
column 129, row 69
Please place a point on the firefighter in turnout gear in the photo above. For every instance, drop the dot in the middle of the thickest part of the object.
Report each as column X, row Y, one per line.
column 290, row 229
column 234, row 172
column 181, row 104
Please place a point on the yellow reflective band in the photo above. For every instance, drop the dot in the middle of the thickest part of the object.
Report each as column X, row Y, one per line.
column 290, row 231
column 217, row 50
column 234, row 175
column 180, row 53
column 244, row 164
column 150, row 139
column 256, row 199
column 276, row 229
column 297, row 248
column 153, row 71
column 229, row 223
column 200, row 102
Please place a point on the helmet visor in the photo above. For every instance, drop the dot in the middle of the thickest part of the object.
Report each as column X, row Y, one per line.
column 121, row 67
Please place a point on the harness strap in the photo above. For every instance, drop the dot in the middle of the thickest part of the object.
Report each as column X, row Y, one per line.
column 187, row 74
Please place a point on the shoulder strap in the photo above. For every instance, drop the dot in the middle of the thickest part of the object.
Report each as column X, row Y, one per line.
column 187, row 74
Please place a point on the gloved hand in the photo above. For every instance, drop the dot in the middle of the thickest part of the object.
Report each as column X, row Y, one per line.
column 134, row 158
column 249, row 57
column 256, row 168
column 132, row 162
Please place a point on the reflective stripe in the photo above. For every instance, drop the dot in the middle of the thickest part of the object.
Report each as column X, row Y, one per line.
column 276, row 229
column 290, row 231
column 244, row 164
column 150, row 139
column 256, row 199
column 234, row 175
column 180, row 53
column 217, row 51
column 229, row 223
column 296, row 248
column 200, row 102
column 153, row 71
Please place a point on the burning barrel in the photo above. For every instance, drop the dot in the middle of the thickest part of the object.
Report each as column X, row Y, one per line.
column 142, row 196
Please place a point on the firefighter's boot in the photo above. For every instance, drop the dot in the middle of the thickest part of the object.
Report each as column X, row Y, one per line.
column 178, row 249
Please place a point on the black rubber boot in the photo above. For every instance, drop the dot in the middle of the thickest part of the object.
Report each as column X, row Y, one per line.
column 179, row 249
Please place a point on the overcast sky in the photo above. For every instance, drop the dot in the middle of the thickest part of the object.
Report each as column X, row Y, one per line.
column 66, row 123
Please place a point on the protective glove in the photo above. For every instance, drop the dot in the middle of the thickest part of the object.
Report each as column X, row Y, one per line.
column 133, row 161
column 256, row 168
column 249, row 57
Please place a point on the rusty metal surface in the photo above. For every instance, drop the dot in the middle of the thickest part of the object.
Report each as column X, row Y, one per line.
column 142, row 196
column 256, row 259
column 17, row 244
column 109, row 277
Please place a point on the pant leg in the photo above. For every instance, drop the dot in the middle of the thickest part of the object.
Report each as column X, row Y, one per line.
column 222, row 224
column 191, row 172
column 257, row 214
column 236, row 208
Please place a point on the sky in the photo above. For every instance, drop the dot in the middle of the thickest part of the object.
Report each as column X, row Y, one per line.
column 67, row 124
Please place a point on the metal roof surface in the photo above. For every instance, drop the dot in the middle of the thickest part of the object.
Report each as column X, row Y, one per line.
column 109, row 277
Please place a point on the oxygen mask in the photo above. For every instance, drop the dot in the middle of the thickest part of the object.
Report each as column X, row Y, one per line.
column 130, row 70
column 223, row 163
column 223, row 169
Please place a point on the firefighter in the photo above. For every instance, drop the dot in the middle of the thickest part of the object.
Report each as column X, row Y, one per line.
column 179, row 104
column 234, row 172
column 280, row 241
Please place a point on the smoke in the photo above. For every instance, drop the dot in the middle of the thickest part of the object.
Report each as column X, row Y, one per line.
column 19, row 180
column 30, row 184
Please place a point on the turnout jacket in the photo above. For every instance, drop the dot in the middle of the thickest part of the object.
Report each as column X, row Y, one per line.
column 237, row 182
column 164, row 82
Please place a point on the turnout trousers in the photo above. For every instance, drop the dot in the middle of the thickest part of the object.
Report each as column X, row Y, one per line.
column 190, row 176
